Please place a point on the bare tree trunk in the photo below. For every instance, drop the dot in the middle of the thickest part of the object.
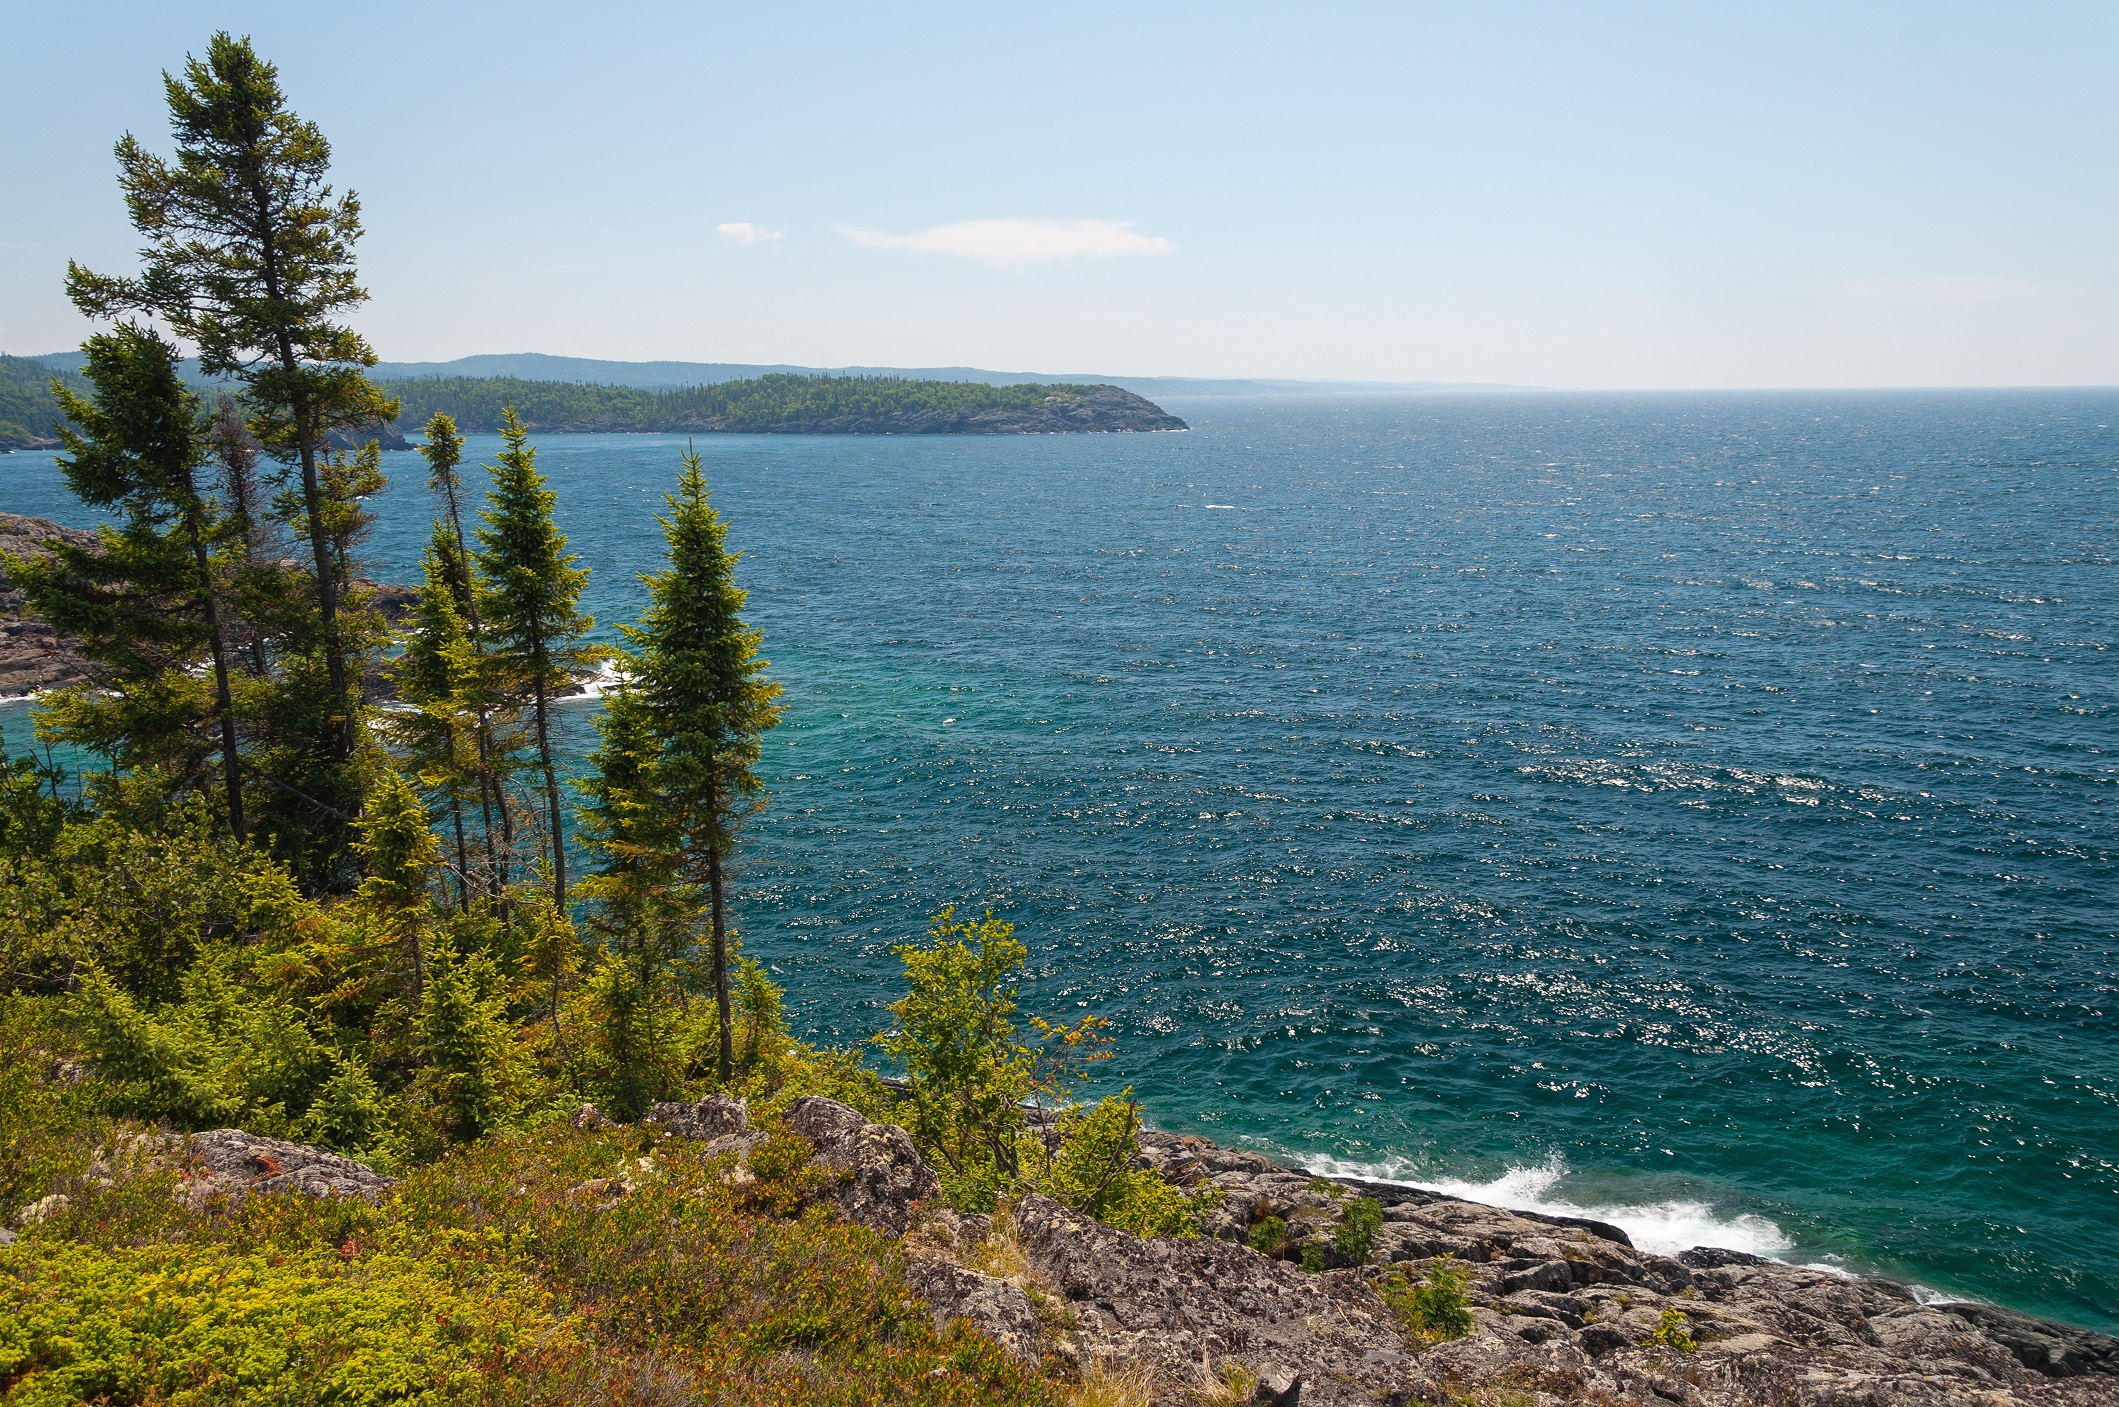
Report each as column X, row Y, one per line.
column 456, row 818
column 713, row 884
column 224, row 700
column 551, row 792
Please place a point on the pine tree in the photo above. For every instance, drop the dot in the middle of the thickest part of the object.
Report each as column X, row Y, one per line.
column 315, row 787
column 146, row 602
column 706, row 708
column 250, row 258
column 257, row 557
column 396, row 844
column 644, row 912
column 532, row 627
column 431, row 676
column 443, row 451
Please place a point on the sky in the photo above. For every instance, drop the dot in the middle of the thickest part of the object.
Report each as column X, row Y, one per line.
column 1565, row 195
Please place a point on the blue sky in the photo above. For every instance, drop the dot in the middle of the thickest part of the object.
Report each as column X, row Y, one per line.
column 1563, row 195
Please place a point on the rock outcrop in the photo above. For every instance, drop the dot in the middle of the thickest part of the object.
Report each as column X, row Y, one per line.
column 231, row 1164
column 1562, row 1311
column 33, row 656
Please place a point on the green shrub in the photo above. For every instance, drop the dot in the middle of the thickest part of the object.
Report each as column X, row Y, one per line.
column 1270, row 1236
column 1359, row 1221
column 169, row 1324
column 1086, row 1164
column 47, row 1129
column 1436, row 1309
column 1671, row 1333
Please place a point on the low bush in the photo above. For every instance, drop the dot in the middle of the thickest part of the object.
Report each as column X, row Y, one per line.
column 1672, row 1332
column 1436, row 1308
column 1359, row 1221
column 557, row 1266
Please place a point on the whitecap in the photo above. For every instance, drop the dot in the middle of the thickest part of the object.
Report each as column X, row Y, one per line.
column 605, row 679
column 1661, row 1228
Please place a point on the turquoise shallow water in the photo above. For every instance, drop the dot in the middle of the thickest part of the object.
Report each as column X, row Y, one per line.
column 1697, row 809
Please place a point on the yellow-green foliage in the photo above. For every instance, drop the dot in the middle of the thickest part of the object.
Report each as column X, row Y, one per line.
column 44, row 1124
column 168, row 1323
column 1436, row 1308
column 973, row 1074
column 1671, row 1332
column 1090, row 1168
column 562, row 1266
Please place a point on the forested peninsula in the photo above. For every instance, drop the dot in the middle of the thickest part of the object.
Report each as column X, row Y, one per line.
column 27, row 410
column 785, row 405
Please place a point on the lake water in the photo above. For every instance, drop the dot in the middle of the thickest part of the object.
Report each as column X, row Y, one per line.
column 1698, row 811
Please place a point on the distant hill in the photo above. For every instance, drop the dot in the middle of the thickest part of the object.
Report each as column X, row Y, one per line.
column 784, row 403
column 536, row 366
column 27, row 410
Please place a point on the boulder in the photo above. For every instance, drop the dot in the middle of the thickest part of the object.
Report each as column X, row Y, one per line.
column 999, row 1310
column 881, row 1179
column 232, row 1164
column 716, row 1116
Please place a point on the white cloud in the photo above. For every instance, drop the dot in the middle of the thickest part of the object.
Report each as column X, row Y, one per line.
column 743, row 232
column 1949, row 288
column 1015, row 241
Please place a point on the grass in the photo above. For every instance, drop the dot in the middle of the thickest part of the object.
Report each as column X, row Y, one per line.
column 487, row 1277
column 1107, row 1382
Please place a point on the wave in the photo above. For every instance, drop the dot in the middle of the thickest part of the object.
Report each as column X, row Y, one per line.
column 598, row 684
column 1660, row 1228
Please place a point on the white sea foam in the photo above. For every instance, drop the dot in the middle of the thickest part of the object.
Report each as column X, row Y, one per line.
column 603, row 681
column 1661, row 1228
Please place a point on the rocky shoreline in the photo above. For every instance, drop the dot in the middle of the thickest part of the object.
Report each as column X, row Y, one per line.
column 1564, row 1310
column 33, row 656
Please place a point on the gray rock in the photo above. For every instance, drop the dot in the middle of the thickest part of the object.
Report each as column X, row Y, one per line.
column 882, row 1180
column 997, row 1309
column 1176, row 1303
column 42, row 1208
column 2051, row 1349
column 716, row 1116
column 232, row 1164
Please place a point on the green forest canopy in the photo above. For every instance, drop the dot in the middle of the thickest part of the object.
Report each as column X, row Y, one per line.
column 27, row 410
column 776, row 402
column 766, row 403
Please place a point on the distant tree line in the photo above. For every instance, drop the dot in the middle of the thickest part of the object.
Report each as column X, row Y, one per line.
column 28, row 411
column 760, row 406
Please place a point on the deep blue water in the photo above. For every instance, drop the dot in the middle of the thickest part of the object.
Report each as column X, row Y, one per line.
column 1698, row 809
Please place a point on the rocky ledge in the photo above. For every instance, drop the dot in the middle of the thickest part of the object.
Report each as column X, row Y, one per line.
column 33, row 656
column 1563, row 1309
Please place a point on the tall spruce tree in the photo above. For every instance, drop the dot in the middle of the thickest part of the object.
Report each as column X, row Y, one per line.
column 645, row 913
column 257, row 556
column 146, row 602
column 249, row 258
column 532, row 627
column 443, row 450
column 431, row 677
column 704, row 710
